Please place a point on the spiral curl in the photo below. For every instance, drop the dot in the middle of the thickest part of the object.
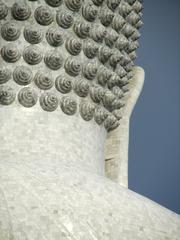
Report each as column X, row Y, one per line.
column 111, row 38
column 22, row 75
column 64, row 19
column 7, row 95
column 113, row 80
column 122, row 42
column 117, row 91
column 43, row 81
column 117, row 104
column 63, row 84
column 10, row 53
column 128, row 30
column 123, row 82
column 120, row 71
column 118, row 22
column 90, row 49
column 73, row 46
column 90, row 70
column 54, row 3
column 73, row 5
column 48, row 101
column 103, row 75
column 27, row 97
column 133, row 18
column 89, row 12
column 115, row 58
column 118, row 113
column 125, row 88
column 33, row 35
column 113, row 4
column 10, row 31
column 81, row 29
column 68, row 105
column 21, row 11
column 106, row 16
column 5, row 75
column 87, row 110
column 124, row 9
column 111, row 123
column 129, row 67
column 3, row 10
column 104, row 54
column 108, row 99
column 54, row 37
column 97, row 93
column 137, row 7
column 100, row 115
column 72, row 66
column 133, row 55
column 43, row 15
column 136, row 35
column 132, row 46
column 125, row 59
column 98, row 33
column 32, row 55
column 111, row 101
column 81, row 87
column 53, row 60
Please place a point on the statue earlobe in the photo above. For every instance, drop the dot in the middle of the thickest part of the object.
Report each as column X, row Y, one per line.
column 117, row 142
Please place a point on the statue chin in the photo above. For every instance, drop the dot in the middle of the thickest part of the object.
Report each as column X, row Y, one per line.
column 45, row 202
column 68, row 85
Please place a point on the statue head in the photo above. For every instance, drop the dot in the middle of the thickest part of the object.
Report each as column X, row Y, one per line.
column 72, row 56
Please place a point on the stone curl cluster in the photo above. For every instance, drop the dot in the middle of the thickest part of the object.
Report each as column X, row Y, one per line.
column 91, row 46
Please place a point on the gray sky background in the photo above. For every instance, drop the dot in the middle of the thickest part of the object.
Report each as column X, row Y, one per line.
column 154, row 154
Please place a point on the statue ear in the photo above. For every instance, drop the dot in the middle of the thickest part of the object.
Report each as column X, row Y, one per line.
column 116, row 147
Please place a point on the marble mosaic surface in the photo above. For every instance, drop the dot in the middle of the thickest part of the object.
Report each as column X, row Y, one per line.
column 77, row 56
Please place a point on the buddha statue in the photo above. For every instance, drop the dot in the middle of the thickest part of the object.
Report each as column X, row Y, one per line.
column 68, row 85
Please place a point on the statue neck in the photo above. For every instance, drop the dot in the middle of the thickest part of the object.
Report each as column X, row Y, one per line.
column 33, row 136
